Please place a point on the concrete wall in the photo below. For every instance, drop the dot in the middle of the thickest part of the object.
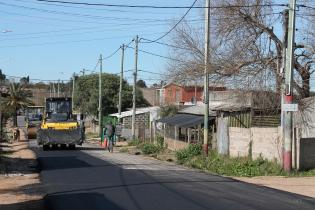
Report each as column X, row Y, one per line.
column 265, row 142
column 175, row 144
column 239, row 141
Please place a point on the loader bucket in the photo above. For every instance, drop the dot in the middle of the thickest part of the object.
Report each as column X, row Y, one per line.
column 66, row 136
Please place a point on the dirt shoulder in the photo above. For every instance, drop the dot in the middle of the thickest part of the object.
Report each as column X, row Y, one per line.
column 299, row 185
column 20, row 182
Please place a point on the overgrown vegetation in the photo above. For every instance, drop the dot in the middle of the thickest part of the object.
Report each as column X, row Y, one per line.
column 135, row 142
column 149, row 148
column 189, row 152
column 168, row 111
column 224, row 165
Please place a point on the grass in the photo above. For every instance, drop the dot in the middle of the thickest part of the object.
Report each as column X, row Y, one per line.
column 229, row 166
column 241, row 166
column 124, row 150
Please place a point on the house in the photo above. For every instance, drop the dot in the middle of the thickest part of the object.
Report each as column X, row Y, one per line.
column 143, row 122
column 180, row 94
column 229, row 112
column 185, row 127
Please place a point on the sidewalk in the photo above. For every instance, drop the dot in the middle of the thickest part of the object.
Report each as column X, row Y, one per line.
column 18, row 176
column 299, row 185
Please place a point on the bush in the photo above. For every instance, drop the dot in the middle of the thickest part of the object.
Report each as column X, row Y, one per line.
column 160, row 141
column 148, row 148
column 135, row 142
column 191, row 151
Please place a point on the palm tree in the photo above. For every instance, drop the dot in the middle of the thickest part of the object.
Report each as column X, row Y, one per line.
column 18, row 98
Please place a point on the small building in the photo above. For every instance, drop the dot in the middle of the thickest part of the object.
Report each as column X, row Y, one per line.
column 181, row 94
column 186, row 127
column 143, row 122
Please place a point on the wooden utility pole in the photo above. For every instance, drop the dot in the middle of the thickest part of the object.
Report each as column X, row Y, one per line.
column 121, row 79
column 72, row 95
column 288, row 97
column 133, row 126
column 206, row 79
column 58, row 88
column 100, row 96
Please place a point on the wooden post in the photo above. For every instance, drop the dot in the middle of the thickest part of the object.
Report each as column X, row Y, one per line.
column 176, row 137
column 199, row 133
column 189, row 135
column 164, row 126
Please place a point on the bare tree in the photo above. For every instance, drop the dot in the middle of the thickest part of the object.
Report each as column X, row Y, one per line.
column 246, row 47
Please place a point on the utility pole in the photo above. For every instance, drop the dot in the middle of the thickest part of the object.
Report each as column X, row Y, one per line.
column 206, row 79
column 100, row 96
column 121, row 78
column 54, row 89
column 133, row 128
column 83, row 72
column 58, row 88
column 288, row 98
column 72, row 95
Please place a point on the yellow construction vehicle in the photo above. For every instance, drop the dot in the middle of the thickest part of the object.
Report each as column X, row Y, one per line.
column 59, row 125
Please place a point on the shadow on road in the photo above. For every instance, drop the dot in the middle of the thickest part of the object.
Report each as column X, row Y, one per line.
column 92, row 201
column 29, row 205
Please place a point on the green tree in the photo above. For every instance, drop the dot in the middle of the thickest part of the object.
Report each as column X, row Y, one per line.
column 141, row 84
column 17, row 98
column 168, row 111
column 86, row 94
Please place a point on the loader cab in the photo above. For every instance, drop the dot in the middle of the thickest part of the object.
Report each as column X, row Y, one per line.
column 58, row 110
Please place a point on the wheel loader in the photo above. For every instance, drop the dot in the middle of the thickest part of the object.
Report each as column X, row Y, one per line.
column 60, row 127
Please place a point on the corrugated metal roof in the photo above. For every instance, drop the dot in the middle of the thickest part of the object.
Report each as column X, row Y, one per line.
column 184, row 120
column 138, row 111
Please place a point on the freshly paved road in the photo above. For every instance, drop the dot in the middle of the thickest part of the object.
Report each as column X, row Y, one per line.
column 92, row 179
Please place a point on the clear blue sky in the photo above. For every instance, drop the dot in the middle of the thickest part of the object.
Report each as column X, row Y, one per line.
column 50, row 41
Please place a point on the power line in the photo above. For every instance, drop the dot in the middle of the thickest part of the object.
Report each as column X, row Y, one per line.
column 43, row 80
column 305, row 6
column 82, row 15
column 178, row 22
column 60, row 42
column 162, row 43
column 157, row 55
column 91, row 8
column 158, row 7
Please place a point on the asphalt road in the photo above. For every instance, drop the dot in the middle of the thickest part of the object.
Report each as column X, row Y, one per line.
column 89, row 178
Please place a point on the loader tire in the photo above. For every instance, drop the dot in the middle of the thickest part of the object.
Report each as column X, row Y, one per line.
column 46, row 147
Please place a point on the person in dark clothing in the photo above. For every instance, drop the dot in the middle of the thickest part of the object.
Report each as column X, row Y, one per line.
column 110, row 136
